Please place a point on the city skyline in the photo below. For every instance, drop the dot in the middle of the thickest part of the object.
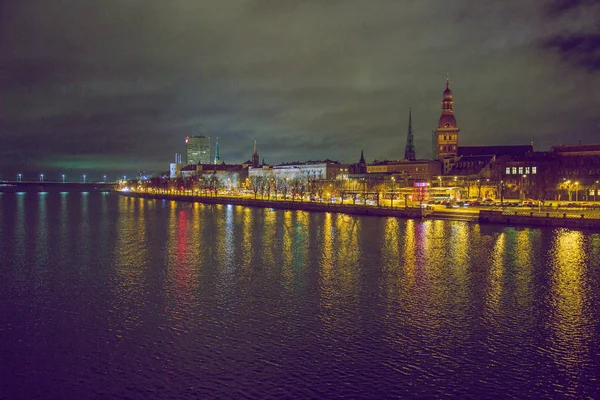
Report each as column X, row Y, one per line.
column 309, row 80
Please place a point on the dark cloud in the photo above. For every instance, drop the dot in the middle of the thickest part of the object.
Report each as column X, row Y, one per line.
column 117, row 85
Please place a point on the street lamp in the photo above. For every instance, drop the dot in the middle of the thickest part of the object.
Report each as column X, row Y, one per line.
column 393, row 187
column 104, row 178
column 19, row 178
column 42, row 178
column 576, row 191
column 595, row 190
column 63, row 178
column 440, row 181
column 83, row 178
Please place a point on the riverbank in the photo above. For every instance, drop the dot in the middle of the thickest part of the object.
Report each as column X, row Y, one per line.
column 580, row 220
column 410, row 212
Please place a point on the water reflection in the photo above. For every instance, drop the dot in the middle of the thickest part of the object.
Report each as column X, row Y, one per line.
column 229, row 299
column 184, row 254
column 570, row 319
column 130, row 262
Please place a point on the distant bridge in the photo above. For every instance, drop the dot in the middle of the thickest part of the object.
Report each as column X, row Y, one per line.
column 38, row 186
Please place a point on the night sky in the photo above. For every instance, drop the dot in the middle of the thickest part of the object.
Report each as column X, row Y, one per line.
column 114, row 86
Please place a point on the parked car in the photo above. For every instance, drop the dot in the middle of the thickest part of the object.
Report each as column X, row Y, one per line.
column 452, row 205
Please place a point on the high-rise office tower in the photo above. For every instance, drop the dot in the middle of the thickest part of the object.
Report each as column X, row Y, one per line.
column 197, row 149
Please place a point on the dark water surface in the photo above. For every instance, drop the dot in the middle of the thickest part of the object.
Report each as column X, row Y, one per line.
column 103, row 296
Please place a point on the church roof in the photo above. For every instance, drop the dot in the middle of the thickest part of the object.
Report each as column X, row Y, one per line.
column 498, row 151
column 471, row 165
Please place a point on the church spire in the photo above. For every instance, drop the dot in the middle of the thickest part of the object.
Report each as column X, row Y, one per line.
column 217, row 159
column 362, row 157
column 255, row 161
column 409, row 150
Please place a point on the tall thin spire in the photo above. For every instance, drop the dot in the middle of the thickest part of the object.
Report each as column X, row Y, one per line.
column 255, row 161
column 447, row 81
column 409, row 150
column 362, row 157
column 217, row 159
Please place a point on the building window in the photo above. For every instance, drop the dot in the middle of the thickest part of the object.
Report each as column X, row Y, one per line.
column 514, row 170
column 507, row 170
column 533, row 170
column 453, row 147
column 527, row 170
column 520, row 170
column 441, row 148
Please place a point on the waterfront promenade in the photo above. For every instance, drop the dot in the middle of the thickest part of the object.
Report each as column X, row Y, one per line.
column 585, row 219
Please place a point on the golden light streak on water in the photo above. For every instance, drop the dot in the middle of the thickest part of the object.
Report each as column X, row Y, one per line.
column 569, row 319
column 130, row 260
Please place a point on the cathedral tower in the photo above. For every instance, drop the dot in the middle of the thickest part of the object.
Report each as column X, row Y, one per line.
column 446, row 135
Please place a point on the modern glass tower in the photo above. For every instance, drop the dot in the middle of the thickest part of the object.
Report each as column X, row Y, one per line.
column 197, row 149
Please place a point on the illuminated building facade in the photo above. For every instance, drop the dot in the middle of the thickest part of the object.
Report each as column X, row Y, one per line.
column 197, row 149
column 420, row 170
column 445, row 137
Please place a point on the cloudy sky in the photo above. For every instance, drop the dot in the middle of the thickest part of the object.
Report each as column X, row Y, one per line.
column 114, row 86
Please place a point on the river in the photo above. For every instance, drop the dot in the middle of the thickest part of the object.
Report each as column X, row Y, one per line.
column 104, row 296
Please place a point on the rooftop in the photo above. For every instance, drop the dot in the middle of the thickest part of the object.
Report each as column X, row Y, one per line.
column 499, row 151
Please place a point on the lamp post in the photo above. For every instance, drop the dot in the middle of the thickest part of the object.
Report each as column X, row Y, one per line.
column 595, row 190
column 104, row 178
column 63, row 178
column 393, row 188
column 42, row 178
column 523, row 187
column 440, row 181
column 19, row 178
column 576, row 191
column 83, row 178
column 455, row 191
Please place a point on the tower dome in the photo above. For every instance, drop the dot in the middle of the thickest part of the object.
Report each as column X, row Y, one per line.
column 447, row 121
column 447, row 93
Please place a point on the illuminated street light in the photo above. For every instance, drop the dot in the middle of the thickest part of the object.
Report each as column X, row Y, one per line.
column 19, row 177
column 63, row 178
column 42, row 178
column 83, row 178
column 576, row 191
column 393, row 187
column 104, row 178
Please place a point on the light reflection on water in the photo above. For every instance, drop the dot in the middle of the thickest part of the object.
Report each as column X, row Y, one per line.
column 570, row 320
column 110, row 296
